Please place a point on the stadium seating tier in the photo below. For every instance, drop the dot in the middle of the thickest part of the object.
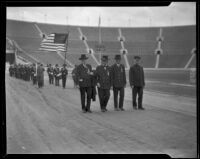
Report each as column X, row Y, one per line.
column 177, row 45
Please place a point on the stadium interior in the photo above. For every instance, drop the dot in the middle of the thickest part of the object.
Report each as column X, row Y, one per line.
column 177, row 43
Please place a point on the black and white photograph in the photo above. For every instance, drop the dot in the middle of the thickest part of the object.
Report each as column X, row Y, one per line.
column 101, row 80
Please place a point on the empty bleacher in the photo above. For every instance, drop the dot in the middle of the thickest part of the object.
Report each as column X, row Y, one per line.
column 111, row 47
column 21, row 29
column 140, row 34
column 177, row 45
column 26, row 56
column 52, row 28
column 147, row 61
column 92, row 33
column 141, row 48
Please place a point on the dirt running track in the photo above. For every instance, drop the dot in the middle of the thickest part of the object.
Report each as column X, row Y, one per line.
column 50, row 120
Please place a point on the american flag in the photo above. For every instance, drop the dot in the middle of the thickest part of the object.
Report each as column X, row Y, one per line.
column 54, row 42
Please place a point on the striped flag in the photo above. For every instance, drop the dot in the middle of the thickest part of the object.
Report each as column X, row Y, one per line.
column 54, row 42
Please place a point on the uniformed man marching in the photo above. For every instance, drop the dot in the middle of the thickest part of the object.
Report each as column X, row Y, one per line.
column 64, row 73
column 33, row 74
column 118, row 80
column 103, row 75
column 84, row 72
column 57, row 74
column 40, row 75
column 11, row 70
column 50, row 73
column 137, row 82
column 74, row 76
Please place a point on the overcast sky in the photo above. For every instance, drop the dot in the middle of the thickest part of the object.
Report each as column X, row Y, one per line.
column 178, row 13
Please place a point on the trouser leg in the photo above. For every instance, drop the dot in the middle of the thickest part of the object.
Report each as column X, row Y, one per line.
column 100, row 97
column 121, row 97
column 89, row 93
column 115, row 92
column 106, row 97
column 49, row 79
column 82, row 92
column 63, row 81
column 140, row 97
column 134, row 94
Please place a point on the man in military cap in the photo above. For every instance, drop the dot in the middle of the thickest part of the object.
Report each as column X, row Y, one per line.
column 57, row 75
column 74, row 76
column 33, row 74
column 118, row 81
column 84, row 72
column 51, row 78
column 11, row 70
column 103, row 75
column 40, row 75
column 64, row 73
column 48, row 71
column 137, row 82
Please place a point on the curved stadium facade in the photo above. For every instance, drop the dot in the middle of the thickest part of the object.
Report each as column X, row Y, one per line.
column 177, row 43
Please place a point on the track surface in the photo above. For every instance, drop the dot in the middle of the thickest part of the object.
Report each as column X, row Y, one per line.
column 50, row 120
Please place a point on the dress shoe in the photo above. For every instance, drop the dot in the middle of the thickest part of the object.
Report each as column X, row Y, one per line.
column 116, row 109
column 89, row 111
column 134, row 107
column 84, row 111
column 122, row 109
column 102, row 110
column 141, row 108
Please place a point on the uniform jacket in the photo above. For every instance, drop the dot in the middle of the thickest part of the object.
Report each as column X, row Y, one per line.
column 103, row 76
column 40, row 73
column 118, row 76
column 64, row 72
column 83, row 75
column 56, row 71
column 50, row 71
column 136, row 76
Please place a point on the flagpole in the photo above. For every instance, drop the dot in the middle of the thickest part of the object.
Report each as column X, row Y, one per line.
column 100, row 37
column 66, row 41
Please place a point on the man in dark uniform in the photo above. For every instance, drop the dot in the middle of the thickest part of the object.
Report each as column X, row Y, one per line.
column 137, row 83
column 57, row 74
column 29, row 72
column 33, row 74
column 51, row 78
column 103, row 76
column 118, row 80
column 49, row 72
column 74, row 76
column 40, row 75
column 64, row 73
column 84, row 72
column 11, row 70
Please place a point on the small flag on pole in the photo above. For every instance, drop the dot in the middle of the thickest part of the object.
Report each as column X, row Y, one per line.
column 54, row 42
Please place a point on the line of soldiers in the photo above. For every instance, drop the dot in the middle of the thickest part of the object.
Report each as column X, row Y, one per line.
column 57, row 74
column 20, row 71
column 106, row 78
column 28, row 72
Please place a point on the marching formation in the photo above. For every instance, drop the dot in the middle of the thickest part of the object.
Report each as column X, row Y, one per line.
column 104, row 77
column 107, row 77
